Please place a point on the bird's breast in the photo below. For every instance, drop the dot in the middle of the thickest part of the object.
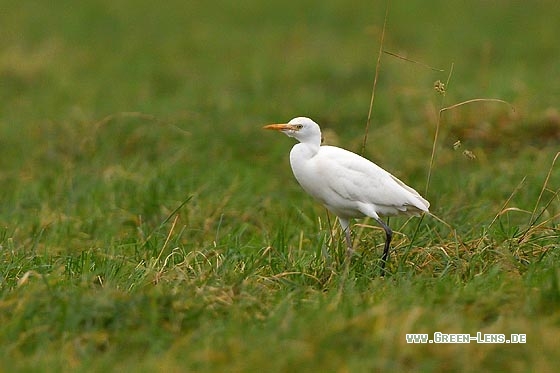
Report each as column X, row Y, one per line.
column 323, row 183
column 304, row 166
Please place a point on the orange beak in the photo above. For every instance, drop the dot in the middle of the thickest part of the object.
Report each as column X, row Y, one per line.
column 280, row 127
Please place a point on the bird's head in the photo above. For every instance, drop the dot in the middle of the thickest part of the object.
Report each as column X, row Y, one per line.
column 301, row 128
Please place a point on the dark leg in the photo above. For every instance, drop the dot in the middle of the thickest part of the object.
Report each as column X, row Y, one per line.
column 388, row 237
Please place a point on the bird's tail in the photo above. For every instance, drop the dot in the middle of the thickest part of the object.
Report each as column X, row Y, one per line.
column 416, row 203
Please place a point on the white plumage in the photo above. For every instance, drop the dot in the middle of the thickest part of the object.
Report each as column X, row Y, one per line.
column 349, row 185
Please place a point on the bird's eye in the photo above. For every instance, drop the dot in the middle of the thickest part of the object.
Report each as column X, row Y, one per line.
column 299, row 126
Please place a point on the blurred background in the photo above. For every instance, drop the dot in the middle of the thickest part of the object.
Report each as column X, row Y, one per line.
column 126, row 88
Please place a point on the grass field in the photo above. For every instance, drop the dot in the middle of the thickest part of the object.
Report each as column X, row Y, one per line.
column 148, row 223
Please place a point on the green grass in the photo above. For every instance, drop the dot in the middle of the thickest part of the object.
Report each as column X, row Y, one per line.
column 147, row 223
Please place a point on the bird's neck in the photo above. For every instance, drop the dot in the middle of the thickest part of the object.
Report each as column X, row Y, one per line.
column 305, row 150
column 313, row 143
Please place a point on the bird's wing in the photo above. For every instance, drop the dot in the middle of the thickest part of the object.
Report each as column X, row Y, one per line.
column 356, row 179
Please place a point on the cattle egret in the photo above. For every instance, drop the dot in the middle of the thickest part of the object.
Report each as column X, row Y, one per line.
column 347, row 184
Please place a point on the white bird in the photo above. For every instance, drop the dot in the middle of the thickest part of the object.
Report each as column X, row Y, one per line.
column 348, row 185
